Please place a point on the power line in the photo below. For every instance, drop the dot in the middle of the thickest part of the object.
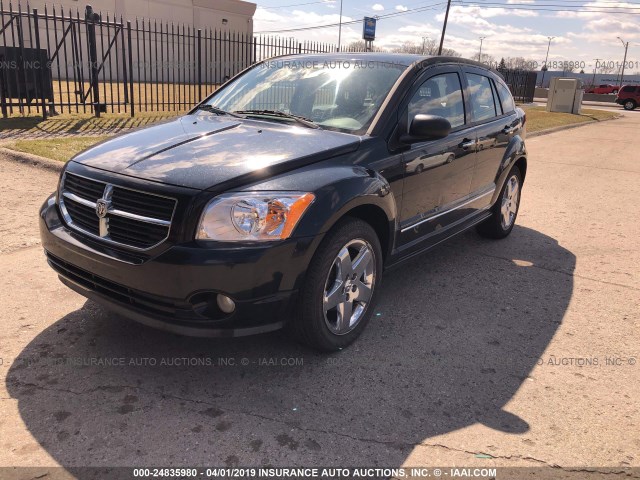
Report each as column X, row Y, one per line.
column 555, row 7
column 379, row 17
column 543, row 7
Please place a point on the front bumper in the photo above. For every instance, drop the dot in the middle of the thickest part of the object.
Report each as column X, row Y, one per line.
column 176, row 289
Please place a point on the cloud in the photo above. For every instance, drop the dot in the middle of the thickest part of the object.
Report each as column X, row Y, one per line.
column 377, row 7
column 401, row 8
column 474, row 14
column 520, row 2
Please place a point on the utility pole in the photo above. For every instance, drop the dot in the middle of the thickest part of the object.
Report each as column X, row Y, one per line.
column 480, row 54
column 444, row 27
column 340, row 27
column 545, row 68
column 626, row 48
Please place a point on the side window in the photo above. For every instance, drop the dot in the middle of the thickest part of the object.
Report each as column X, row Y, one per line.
column 440, row 95
column 628, row 88
column 506, row 100
column 482, row 102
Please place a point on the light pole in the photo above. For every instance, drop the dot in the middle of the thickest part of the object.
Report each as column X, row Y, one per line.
column 340, row 27
column 595, row 67
column 424, row 41
column 480, row 54
column 626, row 48
column 545, row 61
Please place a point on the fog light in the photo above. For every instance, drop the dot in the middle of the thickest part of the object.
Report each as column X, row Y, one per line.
column 225, row 303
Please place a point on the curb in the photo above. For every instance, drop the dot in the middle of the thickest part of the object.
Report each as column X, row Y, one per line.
column 33, row 160
column 568, row 127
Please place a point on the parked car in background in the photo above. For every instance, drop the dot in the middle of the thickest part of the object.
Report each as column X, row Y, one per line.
column 278, row 201
column 604, row 89
column 629, row 97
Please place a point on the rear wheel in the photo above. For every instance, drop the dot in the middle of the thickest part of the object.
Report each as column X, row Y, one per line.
column 629, row 105
column 341, row 287
column 504, row 212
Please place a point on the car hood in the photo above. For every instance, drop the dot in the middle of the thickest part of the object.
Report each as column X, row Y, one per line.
column 204, row 151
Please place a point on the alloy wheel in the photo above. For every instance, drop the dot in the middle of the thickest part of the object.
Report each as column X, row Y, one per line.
column 349, row 286
column 510, row 199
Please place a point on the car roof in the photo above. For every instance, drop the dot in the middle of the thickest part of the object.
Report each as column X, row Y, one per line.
column 402, row 59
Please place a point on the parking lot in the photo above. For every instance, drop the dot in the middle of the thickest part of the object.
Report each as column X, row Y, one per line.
column 514, row 353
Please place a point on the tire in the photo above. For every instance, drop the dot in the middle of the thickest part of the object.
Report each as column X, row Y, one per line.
column 316, row 323
column 615, row 92
column 629, row 105
column 497, row 226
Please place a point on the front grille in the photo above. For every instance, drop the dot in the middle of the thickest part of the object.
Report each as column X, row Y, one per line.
column 84, row 187
column 131, row 218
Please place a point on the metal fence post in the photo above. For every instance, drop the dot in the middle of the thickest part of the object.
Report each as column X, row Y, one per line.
column 93, row 58
column 199, row 65
column 41, row 67
column 130, row 68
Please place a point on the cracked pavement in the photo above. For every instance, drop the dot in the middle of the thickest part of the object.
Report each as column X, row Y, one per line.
column 480, row 353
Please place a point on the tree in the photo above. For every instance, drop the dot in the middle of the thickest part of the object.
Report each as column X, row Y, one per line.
column 486, row 59
column 427, row 47
column 503, row 64
column 519, row 63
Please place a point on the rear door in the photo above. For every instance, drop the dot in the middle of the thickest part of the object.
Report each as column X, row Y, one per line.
column 494, row 116
column 437, row 172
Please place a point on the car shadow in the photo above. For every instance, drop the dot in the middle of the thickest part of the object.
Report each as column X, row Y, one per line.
column 456, row 333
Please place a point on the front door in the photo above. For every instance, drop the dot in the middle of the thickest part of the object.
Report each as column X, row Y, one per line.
column 438, row 173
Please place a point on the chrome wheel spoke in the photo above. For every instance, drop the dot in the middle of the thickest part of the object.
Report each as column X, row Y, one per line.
column 345, row 309
column 334, row 297
column 362, row 261
column 364, row 292
column 343, row 264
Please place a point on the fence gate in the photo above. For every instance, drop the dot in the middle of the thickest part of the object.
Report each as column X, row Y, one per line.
column 522, row 83
column 55, row 61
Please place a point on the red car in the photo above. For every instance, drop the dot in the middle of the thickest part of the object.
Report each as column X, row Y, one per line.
column 604, row 89
column 629, row 97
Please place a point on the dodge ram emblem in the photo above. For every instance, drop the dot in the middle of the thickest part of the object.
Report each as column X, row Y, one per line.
column 101, row 208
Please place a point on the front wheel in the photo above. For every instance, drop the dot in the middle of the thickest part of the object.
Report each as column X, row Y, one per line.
column 504, row 212
column 341, row 287
column 629, row 105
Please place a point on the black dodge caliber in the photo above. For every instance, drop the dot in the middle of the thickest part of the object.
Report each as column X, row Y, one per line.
column 279, row 200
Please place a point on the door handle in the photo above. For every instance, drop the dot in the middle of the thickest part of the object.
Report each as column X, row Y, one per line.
column 467, row 144
column 508, row 130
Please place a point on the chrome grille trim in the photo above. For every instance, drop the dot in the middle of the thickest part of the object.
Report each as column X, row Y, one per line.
column 103, row 223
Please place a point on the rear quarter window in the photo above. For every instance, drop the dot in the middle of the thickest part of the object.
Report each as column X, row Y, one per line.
column 506, row 100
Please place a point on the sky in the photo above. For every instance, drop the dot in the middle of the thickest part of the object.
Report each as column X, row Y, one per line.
column 584, row 31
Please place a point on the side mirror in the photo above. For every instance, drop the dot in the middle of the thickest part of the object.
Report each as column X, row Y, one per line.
column 426, row 127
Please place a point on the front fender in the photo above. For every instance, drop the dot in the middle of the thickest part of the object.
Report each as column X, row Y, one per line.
column 338, row 189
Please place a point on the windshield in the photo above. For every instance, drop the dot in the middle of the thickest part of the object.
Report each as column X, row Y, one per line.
column 336, row 94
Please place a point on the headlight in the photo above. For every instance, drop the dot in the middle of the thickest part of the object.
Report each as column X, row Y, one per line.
column 252, row 216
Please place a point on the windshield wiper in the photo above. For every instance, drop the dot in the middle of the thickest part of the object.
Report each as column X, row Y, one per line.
column 216, row 110
column 278, row 113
